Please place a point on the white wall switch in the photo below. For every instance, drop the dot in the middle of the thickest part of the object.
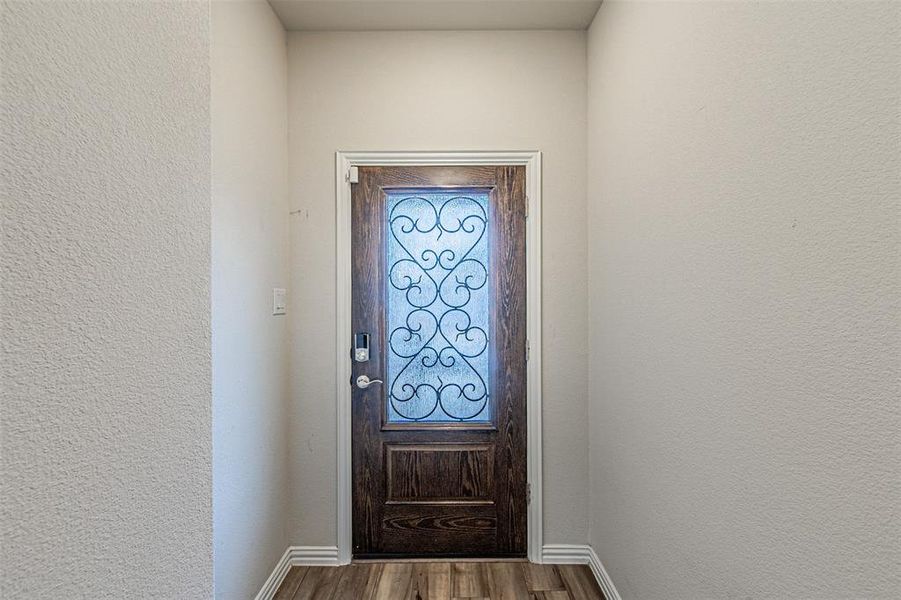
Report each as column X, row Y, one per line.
column 279, row 303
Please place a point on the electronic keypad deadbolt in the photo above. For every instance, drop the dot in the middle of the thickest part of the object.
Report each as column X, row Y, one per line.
column 361, row 347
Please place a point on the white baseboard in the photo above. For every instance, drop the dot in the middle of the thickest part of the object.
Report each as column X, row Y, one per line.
column 563, row 554
column 320, row 556
column 276, row 577
column 581, row 554
column 314, row 556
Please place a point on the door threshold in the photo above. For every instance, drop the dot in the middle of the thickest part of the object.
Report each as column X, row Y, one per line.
column 431, row 559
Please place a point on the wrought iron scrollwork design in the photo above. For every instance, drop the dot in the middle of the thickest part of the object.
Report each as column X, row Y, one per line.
column 438, row 307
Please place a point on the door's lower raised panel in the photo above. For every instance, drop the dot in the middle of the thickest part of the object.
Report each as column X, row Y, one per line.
column 439, row 473
column 439, row 529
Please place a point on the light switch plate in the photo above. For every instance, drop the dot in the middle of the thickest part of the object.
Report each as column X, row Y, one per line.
column 279, row 302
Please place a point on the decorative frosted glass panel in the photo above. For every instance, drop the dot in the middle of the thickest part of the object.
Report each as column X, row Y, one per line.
column 438, row 307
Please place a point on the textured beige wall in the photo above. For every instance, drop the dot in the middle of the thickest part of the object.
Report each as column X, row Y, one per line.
column 743, row 197
column 249, row 65
column 106, row 459
column 437, row 91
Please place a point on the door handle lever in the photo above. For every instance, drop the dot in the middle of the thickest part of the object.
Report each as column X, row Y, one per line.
column 364, row 382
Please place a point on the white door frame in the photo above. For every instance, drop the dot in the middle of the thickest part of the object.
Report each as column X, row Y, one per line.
column 343, row 163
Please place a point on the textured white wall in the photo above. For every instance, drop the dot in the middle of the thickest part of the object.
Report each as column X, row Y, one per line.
column 437, row 91
column 106, row 329
column 249, row 257
column 744, row 298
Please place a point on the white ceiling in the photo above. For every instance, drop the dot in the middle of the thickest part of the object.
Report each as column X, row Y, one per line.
column 360, row 15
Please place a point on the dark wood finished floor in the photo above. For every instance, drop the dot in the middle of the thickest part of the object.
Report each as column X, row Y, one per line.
column 440, row 581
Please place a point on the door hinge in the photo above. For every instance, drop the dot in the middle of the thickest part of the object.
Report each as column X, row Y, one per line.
column 527, row 207
column 352, row 175
column 529, row 493
column 528, row 350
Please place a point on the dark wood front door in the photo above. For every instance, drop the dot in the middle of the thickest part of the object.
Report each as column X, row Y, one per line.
column 439, row 444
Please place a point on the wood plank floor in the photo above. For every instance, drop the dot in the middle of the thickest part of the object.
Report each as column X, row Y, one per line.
column 440, row 580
